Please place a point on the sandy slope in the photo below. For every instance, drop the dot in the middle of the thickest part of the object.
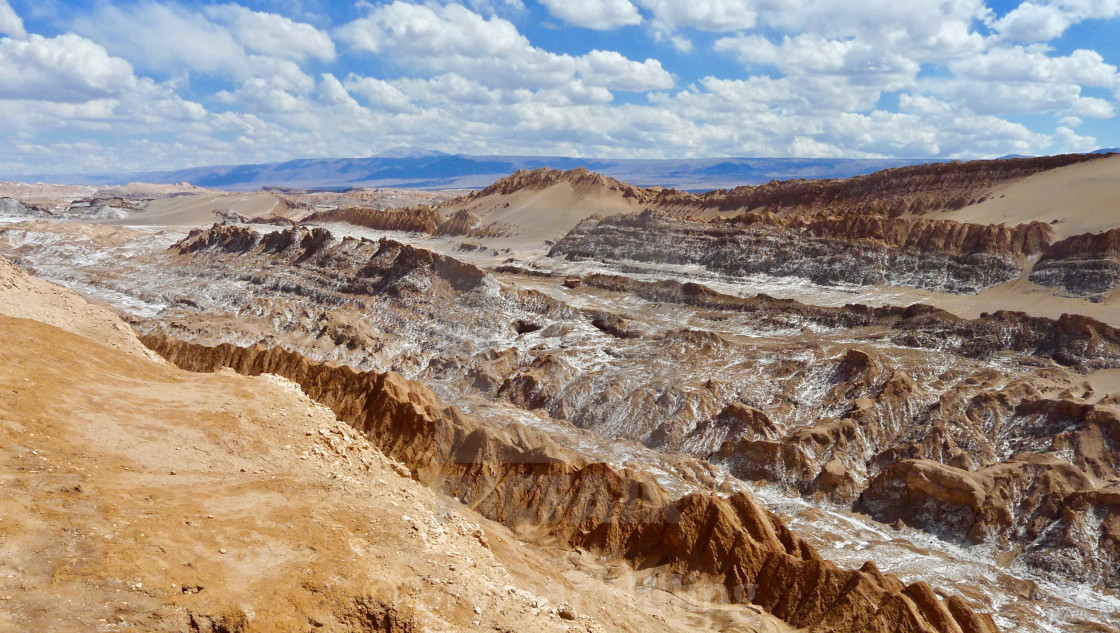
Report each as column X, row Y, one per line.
column 134, row 495
column 1084, row 198
column 549, row 213
column 24, row 296
column 199, row 209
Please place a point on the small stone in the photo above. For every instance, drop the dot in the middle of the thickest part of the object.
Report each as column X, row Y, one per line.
column 478, row 610
column 565, row 612
column 222, row 551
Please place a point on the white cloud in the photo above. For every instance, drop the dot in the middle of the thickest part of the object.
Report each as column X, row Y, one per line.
column 236, row 43
column 1030, row 22
column 1021, row 64
column 164, row 38
column 1044, row 21
column 1027, row 80
column 10, row 22
column 454, row 39
column 67, row 68
column 379, row 94
column 612, row 70
column 1067, row 141
column 807, row 54
column 706, row 15
column 681, row 43
column 272, row 34
column 595, row 14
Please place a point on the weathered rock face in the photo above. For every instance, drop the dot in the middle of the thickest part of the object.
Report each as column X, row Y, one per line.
column 420, row 219
column 936, row 255
column 519, row 477
column 1083, row 264
column 1055, row 473
column 12, row 208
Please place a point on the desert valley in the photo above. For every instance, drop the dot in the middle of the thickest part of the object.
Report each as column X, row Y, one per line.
column 889, row 402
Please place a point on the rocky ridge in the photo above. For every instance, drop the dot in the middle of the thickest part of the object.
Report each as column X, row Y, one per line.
column 914, row 190
column 420, row 219
column 866, row 250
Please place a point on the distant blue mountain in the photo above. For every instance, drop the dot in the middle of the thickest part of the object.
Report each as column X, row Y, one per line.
column 426, row 169
column 1107, row 150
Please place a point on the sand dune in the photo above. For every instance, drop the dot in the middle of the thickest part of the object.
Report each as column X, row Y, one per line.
column 545, row 204
column 1083, row 198
column 200, row 209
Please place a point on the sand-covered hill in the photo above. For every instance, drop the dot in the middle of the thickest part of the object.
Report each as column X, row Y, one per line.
column 546, row 203
column 1079, row 198
column 206, row 207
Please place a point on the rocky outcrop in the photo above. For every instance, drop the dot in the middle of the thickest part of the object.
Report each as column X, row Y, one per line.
column 1083, row 265
column 366, row 267
column 12, row 208
column 866, row 250
column 517, row 476
column 420, row 219
column 1052, row 495
column 465, row 222
column 225, row 215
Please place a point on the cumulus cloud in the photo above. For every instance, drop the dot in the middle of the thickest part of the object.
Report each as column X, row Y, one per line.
column 1044, row 21
column 706, row 15
column 808, row 54
column 10, row 22
column 225, row 40
column 595, row 14
column 272, row 34
column 380, row 94
column 67, row 68
column 454, row 39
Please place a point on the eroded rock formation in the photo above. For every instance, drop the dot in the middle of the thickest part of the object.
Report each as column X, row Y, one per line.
column 1083, row 265
column 854, row 250
column 518, row 476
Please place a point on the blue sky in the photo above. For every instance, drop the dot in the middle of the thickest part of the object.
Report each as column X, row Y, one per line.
column 116, row 85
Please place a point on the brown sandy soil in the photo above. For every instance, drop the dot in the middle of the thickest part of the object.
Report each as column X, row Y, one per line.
column 134, row 495
column 537, row 211
column 24, row 296
column 200, row 208
column 1083, row 198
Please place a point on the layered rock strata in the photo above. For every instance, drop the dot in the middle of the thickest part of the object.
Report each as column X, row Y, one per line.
column 1083, row 265
column 937, row 255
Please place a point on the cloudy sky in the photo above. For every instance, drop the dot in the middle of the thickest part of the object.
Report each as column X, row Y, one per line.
column 116, row 85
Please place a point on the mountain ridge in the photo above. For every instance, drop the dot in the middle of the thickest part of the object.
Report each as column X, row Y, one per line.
column 423, row 169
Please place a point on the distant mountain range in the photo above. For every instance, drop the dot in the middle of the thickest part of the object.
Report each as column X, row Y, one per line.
column 427, row 169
